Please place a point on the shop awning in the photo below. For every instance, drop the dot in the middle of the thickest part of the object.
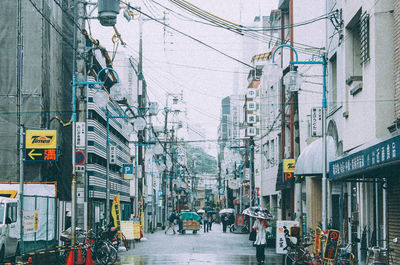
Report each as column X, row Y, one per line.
column 309, row 163
column 380, row 157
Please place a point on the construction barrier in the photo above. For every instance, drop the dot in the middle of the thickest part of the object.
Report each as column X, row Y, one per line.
column 70, row 257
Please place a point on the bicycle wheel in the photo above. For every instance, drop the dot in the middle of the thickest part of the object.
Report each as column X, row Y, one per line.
column 101, row 254
column 112, row 254
column 288, row 260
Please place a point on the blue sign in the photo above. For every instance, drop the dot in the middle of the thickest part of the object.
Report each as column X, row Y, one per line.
column 376, row 155
column 127, row 169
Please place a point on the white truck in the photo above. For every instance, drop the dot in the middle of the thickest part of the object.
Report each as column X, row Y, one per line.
column 9, row 227
column 10, row 216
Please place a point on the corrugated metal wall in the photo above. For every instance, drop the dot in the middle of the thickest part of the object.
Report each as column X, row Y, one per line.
column 394, row 216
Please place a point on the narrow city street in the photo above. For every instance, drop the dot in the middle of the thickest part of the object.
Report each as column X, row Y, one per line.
column 213, row 247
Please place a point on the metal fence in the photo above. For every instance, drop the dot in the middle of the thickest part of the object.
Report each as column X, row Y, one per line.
column 42, row 233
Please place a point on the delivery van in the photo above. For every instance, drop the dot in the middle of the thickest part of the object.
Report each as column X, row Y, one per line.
column 9, row 228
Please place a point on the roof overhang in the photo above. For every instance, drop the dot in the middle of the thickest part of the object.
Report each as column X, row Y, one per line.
column 309, row 163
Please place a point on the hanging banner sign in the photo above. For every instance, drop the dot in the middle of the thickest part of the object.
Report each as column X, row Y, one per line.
column 80, row 134
column 317, row 243
column 316, row 122
column 116, row 212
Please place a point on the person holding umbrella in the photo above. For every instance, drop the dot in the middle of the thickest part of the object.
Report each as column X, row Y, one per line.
column 259, row 226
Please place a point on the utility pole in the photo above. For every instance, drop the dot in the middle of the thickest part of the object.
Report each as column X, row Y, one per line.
column 78, row 73
column 20, row 128
column 164, row 182
column 141, row 98
column 251, row 143
column 172, row 170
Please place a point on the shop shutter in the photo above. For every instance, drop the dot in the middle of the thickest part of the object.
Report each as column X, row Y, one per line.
column 394, row 216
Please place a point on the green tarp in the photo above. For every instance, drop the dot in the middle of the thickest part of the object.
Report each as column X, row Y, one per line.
column 190, row 215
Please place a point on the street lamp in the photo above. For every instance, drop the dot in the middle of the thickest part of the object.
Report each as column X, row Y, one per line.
column 324, row 146
column 101, row 98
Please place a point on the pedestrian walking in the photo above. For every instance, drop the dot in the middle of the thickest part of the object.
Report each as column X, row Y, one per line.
column 225, row 221
column 260, row 226
column 205, row 221
column 171, row 220
column 209, row 221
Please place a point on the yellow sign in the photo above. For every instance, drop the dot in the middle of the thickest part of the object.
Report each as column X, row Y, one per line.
column 116, row 212
column 136, row 230
column 317, row 243
column 41, row 139
column 8, row 193
column 289, row 165
column 36, row 222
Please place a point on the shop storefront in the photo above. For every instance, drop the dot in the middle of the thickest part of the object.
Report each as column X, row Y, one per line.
column 369, row 200
column 308, row 172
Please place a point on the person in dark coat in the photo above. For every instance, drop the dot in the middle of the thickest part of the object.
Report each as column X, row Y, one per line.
column 225, row 221
column 171, row 220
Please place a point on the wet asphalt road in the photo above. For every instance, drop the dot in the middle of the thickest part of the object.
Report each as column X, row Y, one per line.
column 213, row 247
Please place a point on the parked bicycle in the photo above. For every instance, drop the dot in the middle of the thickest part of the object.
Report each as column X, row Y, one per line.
column 100, row 244
column 297, row 252
column 345, row 255
column 381, row 256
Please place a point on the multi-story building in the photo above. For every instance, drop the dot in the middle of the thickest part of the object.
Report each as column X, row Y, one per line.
column 229, row 159
column 362, row 118
column 36, row 91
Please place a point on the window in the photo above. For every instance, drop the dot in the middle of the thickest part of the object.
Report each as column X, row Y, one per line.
column 1, row 213
column 266, row 154
column 364, row 36
column 11, row 214
column 333, row 84
column 353, row 47
column 272, row 152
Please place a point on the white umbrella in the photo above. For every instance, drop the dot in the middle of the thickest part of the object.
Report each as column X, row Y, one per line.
column 201, row 211
column 258, row 212
column 229, row 210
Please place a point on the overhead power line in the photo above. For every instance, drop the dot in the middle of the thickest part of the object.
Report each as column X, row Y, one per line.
column 187, row 35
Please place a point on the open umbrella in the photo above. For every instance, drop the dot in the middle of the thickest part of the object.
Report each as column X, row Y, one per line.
column 201, row 211
column 258, row 212
column 228, row 210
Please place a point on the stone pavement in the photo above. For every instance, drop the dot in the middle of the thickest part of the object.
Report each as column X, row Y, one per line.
column 213, row 247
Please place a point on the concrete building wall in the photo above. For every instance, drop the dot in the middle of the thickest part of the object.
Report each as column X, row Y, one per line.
column 368, row 106
column 396, row 57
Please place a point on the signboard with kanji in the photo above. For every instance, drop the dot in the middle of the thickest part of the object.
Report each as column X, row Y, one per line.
column 331, row 244
column 41, row 145
column 316, row 122
column 280, row 235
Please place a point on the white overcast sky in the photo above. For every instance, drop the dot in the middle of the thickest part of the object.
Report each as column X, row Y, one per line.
column 167, row 55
